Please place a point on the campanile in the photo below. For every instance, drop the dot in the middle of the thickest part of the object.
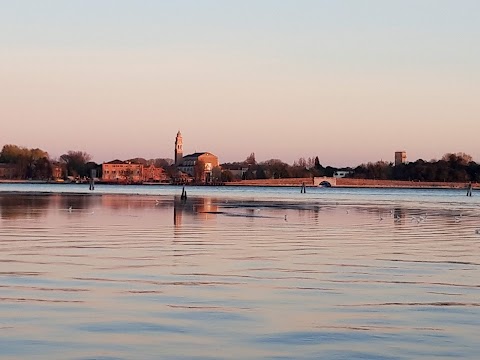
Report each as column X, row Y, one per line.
column 178, row 149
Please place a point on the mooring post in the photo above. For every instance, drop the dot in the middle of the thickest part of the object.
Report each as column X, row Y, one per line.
column 469, row 189
column 93, row 174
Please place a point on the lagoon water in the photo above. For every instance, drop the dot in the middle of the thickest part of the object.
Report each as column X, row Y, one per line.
column 134, row 272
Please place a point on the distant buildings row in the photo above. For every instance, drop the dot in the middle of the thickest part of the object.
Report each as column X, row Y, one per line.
column 197, row 167
column 200, row 167
column 128, row 172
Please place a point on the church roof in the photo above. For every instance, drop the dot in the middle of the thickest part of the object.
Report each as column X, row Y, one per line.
column 197, row 154
column 115, row 162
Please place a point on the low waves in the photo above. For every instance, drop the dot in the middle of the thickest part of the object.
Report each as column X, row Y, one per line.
column 238, row 277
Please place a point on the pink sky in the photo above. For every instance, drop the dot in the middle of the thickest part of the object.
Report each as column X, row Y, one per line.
column 282, row 87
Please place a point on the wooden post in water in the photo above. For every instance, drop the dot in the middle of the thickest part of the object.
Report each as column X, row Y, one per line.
column 93, row 175
column 303, row 190
column 469, row 189
column 184, row 194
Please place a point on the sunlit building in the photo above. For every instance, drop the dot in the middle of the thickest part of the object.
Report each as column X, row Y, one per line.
column 128, row 172
column 152, row 173
column 199, row 165
column 400, row 157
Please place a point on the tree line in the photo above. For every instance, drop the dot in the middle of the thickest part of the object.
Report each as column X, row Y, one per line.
column 36, row 164
column 452, row 167
column 276, row 169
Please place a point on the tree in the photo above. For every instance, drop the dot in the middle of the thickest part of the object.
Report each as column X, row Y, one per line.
column 227, row 176
column 261, row 172
column 459, row 158
column 138, row 160
column 299, row 168
column 216, row 174
column 473, row 171
column 75, row 162
column 89, row 166
column 42, row 169
column 250, row 160
column 162, row 162
column 301, row 162
column 29, row 163
column 13, row 154
column 275, row 168
column 310, row 163
column 378, row 170
column 248, row 175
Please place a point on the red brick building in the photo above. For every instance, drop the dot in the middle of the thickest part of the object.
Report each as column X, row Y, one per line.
column 128, row 172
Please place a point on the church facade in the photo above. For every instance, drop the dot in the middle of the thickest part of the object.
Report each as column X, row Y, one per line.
column 199, row 165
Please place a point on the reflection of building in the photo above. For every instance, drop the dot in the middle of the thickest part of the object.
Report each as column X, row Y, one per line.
column 202, row 208
column 400, row 157
column 8, row 171
column 126, row 171
column 199, row 165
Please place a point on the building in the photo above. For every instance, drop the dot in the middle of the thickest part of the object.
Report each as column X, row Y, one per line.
column 57, row 171
column 341, row 173
column 151, row 173
column 128, row 172
column 122, row 171
column 178, row 149
column 199, row 165
column 400, row 157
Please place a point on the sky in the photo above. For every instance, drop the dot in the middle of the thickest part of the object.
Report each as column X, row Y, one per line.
column 347, row 81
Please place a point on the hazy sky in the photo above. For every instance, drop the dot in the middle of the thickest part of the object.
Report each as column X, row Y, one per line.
column 349, row 81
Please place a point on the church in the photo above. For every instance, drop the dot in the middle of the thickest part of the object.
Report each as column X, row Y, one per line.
column 199, row 165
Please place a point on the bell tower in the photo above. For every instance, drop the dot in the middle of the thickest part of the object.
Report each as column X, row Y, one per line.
column 178, row 149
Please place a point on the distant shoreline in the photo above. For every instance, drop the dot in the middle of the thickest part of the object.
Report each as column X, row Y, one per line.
column 359, row 183
column 298, row 182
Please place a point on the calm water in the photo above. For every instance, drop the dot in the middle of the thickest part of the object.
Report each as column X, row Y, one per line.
column 238, row 273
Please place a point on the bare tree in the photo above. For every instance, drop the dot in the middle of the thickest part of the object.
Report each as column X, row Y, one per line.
column 75, row 162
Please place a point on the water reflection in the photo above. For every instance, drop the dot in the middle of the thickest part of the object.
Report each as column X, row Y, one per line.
column 205, row 208
column 329, row 280
column 23, row 206
column 202, row 208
